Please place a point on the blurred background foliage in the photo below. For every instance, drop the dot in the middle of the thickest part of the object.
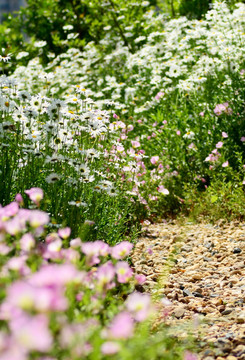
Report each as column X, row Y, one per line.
column 88, row 20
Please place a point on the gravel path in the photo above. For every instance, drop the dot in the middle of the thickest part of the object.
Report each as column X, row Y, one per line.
column 197, row 275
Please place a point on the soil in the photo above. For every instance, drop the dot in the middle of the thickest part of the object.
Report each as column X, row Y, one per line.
column 196, row 274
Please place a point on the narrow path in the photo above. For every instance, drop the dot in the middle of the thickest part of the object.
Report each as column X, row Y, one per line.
column 197, row 273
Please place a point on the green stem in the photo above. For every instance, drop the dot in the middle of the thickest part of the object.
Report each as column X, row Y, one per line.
column 126, row 43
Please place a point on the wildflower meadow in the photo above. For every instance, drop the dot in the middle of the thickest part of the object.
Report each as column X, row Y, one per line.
column 112, row 114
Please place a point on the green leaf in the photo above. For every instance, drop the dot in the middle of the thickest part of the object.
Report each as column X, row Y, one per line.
column 214, row 198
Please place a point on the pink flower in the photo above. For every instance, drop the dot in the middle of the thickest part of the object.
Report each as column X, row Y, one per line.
column 27, row 242
column 53, row 247
column 4, row 249
column 219, row 145
column 19, row 199
column 154, row 159
column 213, row 156
column 201, row 113
column 93, row 250
column 190, row 356
column 32, row 332
column 115, row 116
column 110, row 348
column 8, row 211
column 76, row 243
column 18, row 264
column 35, row 194
column 161, row 189
column 159, row 95
column 105, row 274
column 120, row 148
column 225, row 164
column 243, row 138
column 153, row 197
column 27, row 296
column 123, row 271
column 52, row 237
column 64, row 233
column 54, row 275
column 38, row 218
column 13, row 226
column 122, row 326
column 13, row 351
column 222, row 108
column 149, row 251
column 224, row 134
column 135, row 144
column 139, row 305
column 178, row 132
column 121, row 250
column 192, row 146
column 140, row 279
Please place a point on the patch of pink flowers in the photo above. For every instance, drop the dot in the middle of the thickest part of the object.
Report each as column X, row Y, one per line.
column 223, row 109
column 58, row 293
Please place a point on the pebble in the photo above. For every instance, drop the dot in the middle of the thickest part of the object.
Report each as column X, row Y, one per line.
column 187, row 293
column 226, row 312
column 241, row 317
column 179, row 312
column 239, row 350
column 237, row 251
column 197, row 294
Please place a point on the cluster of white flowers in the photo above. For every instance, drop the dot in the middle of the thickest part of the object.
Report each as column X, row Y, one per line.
column 70, row 134
column 181, row 54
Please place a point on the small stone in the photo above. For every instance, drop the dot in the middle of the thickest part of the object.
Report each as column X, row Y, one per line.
column 241, row 317
column 208, row 352
column 229, row 336
column 197, row 294
column 222, row 341
column 196, row 276
column 214, row 295
column 179, row 312
column 239, row 350
column 231, row 357
column 208, row 310
column 237, row 250
column 187, row 293
column 207, row 258
column 226, row 312
column 186, row 248
column 218, row 302
column 167, row 291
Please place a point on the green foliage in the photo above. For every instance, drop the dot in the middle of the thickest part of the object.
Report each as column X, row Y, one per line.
column 194, row 8
column 63, row 24
column 223, row 199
